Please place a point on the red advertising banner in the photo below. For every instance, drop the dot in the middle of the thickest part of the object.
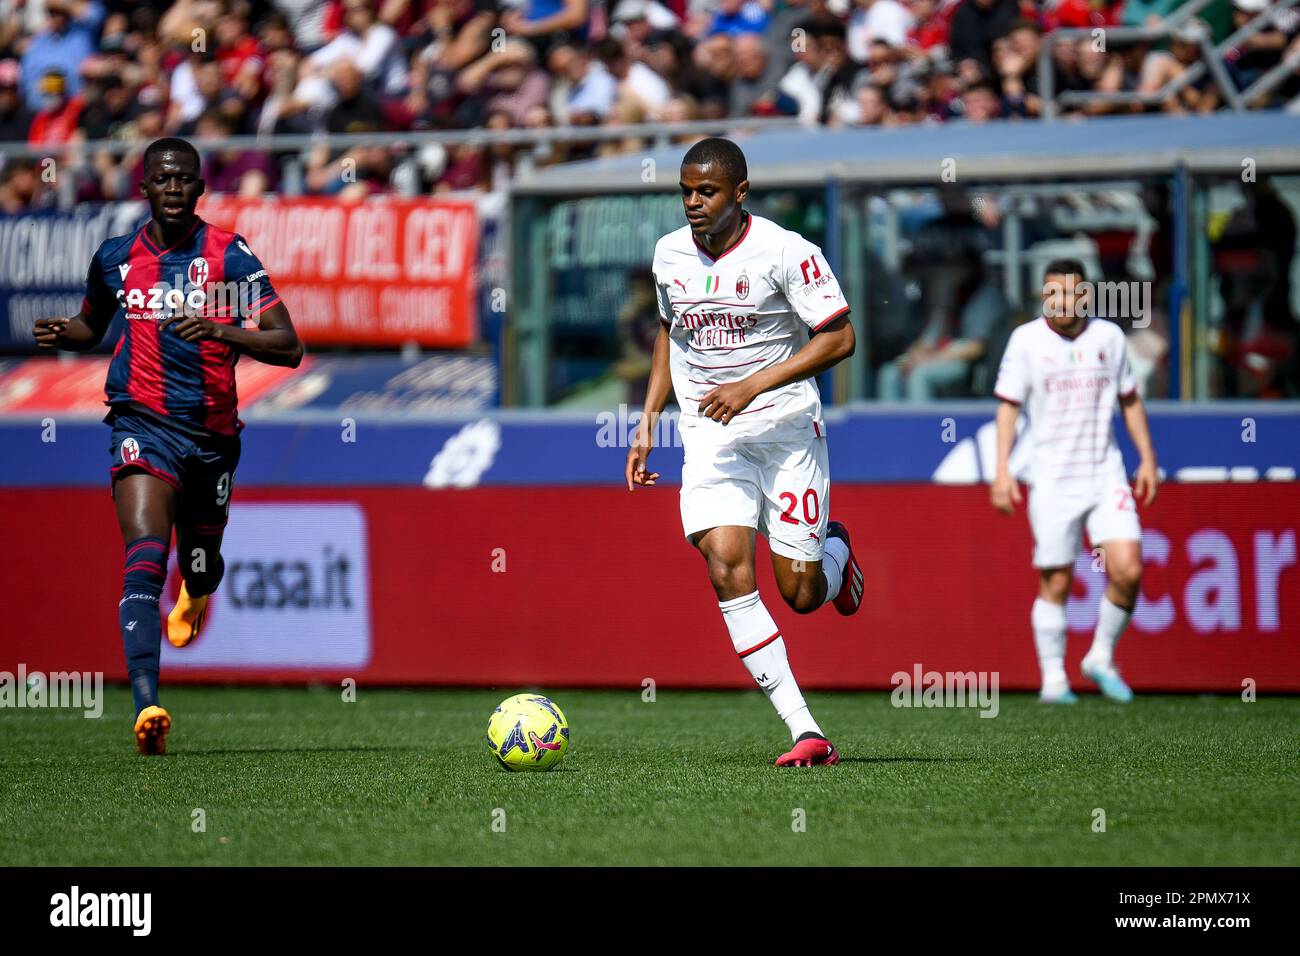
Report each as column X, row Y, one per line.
column 550, row 587
column 380, row 272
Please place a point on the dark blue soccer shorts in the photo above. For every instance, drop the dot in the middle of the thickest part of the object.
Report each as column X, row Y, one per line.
column 202, row 470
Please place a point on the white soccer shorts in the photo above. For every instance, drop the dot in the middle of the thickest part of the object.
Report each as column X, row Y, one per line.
column 1057, row 520
column 782, row 489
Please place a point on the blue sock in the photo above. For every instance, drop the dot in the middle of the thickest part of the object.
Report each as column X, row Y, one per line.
column 139, row 616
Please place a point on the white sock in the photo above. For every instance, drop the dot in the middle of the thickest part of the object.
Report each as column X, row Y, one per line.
column 1048, row 620
column 1111, row 621
column 762, row 650
column 835, row 556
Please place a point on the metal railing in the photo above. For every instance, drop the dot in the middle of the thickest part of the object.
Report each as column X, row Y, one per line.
column 1211, row 61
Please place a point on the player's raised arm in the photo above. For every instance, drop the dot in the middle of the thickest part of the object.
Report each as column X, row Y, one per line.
column 87, row 328
column 1147, row 482
column 656, row 399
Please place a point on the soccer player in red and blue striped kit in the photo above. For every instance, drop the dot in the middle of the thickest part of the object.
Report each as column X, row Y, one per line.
column 185, row 290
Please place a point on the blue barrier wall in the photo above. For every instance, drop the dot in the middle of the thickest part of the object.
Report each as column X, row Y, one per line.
column 950, row 443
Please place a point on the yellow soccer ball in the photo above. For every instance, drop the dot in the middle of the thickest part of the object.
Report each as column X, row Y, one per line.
column 528, row 732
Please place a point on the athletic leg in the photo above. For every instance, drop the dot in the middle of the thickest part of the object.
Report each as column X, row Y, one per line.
column 1113, row 526
column 145, row 512
column 1048, row 620
column 204, row 507
column 729, row 553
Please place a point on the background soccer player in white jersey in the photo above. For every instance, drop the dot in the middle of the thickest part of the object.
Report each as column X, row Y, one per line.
column 1068, row 370
column 738, row 298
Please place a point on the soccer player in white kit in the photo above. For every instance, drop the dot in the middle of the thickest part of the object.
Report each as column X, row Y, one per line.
column 1068, row 370
column 739, row 297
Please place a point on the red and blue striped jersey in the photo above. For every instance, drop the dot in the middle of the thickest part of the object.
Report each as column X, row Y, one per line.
column 211, row 273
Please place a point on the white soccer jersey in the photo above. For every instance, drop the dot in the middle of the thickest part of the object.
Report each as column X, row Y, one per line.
column 747, row 310
column 1069, row 387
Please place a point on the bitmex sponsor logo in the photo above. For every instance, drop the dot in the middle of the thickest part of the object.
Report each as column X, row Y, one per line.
column 76, row 909
column 977, row 689
column 74, row 690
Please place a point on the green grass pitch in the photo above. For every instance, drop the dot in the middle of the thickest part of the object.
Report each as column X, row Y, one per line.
column 297, row 776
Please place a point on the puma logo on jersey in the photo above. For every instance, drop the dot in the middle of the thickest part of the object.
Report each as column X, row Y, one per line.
column 679, row 282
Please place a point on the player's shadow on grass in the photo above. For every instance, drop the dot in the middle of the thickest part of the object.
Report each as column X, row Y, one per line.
column 225, row 751
column 844, row 759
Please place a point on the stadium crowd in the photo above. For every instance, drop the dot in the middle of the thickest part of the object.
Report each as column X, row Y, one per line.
column 73, row 70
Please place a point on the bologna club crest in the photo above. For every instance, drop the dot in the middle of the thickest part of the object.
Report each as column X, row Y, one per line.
column 742, row 287
column 130, row 450
column 198, row 272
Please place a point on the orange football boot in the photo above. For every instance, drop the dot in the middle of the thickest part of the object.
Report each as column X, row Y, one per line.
column 151, row 727
column 186, row 619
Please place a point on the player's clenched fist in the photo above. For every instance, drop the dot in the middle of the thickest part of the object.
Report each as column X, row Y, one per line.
column 1005, row 493
column 48, row 332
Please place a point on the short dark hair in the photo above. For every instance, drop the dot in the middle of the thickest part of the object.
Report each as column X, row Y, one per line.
column 1065, row 267
column 171, row 144
column 720, row 152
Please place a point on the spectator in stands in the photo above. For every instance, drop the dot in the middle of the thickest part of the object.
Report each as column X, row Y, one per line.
column 68, row 37
column 1263, row 50
column 637, row 83
column 109, row 109
column 1084, row 13
column 355, row 109
column 750, row 85
column 545, row 23
column 976, row 24
column 592, row 87
column 887, row 20
column 56, row 120
column 1081, row 66
column 15, row 117
column 980, row 103
column 240, row 58
column 714, row 59
column 734, row 17
column 779, row 37
column 246, row 173
column 635, row 20
column 369, row 44
column 21, row 188
column 869, row 107
column 1015, row 62
column 929, row 24
column 307, row 20
column 1162, row 68
column 838, row 71
column 966, row 307
column 507, row 82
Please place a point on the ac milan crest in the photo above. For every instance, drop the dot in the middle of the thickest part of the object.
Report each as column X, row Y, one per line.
column 742, row 287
